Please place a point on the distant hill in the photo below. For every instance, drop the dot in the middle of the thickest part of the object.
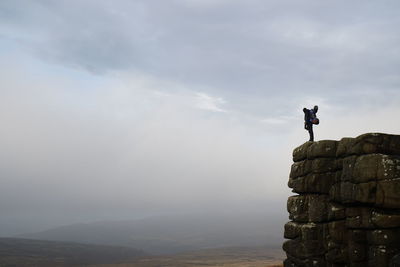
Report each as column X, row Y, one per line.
column 174, row 234
column 26, row 252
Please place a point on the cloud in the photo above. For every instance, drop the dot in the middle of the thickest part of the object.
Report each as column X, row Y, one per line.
column 229, row 47
column 120, row 149
column 278, row 120
column 210, row 103
column 137, row 107
column 264, row 57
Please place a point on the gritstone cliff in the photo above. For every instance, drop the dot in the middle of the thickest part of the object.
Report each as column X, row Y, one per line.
column 347, row 211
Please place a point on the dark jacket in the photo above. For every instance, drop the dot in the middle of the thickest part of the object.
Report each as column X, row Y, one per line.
column 309, row 115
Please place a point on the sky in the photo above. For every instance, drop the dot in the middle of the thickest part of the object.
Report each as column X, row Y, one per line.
column 127, row 109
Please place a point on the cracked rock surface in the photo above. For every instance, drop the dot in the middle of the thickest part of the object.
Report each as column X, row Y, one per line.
column 346, row 211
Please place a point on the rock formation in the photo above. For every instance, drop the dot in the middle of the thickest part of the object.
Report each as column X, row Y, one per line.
column 347, row 208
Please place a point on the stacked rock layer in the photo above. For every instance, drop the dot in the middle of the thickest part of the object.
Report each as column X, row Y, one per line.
column 347, row 211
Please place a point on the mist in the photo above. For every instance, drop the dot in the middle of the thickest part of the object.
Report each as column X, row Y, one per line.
column 130, row 110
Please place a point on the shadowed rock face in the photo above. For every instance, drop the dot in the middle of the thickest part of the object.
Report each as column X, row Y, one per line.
column 347, row 208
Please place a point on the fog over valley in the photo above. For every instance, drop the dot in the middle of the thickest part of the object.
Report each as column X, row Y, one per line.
column 167, row 126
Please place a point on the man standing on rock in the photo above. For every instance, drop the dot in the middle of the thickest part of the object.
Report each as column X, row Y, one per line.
column 310, row 118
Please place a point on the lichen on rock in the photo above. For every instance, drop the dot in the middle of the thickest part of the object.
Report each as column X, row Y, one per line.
column 347, row 208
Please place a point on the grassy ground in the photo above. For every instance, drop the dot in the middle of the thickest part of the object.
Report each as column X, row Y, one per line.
column 224, row 257
column 20, row 252
column 28, row 253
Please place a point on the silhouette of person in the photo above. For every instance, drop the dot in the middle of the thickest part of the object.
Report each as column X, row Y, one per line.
column 310, row 118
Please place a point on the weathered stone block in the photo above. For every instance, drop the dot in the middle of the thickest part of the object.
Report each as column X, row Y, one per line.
column 297, row 184
column 334, row 193
column 359, row 218
column 313, row 183
column 289, row 263
column 368, row 218
column 388, row 167
column 383, row 219
column 320, row 165
column 312, row 231
column 343, row 192
column 310, row 262
column 300, row 153
column 305, row 231
column 357, row 236
column 315, row 262
column 338, row 176
column 357, row 245
column 303, row 249
column 378, row 143
column 308, row 208
column 322, row 149
column 297, row 206
column 368, row 144
column 296, row 261
column 357, row 264
column 395, row 261
column 318, row 208
column 348, row 193
column 300, row 168
column 320, row 183
column 365, row 168
column 348, row 168
column 357, row 252
column 388, row 194
column 365, row 193
column 336, row 211
column 333, row 264
column 337, row 255
column 375, row 167
column 381, row 255
column 292, row 230
column 323, row 165
column 337, row 231
column 348, row 210
column 344, row 146
column 330, row 244
column 384, row 237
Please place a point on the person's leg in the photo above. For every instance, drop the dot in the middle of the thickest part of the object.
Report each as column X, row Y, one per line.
column 311, row 132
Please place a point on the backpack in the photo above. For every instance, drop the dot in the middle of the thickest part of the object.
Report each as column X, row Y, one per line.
column 309, row 116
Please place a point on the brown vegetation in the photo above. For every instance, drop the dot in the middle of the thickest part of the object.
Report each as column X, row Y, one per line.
column 225, row 257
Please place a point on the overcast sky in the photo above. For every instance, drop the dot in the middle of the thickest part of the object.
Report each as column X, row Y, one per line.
column 124, row 109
